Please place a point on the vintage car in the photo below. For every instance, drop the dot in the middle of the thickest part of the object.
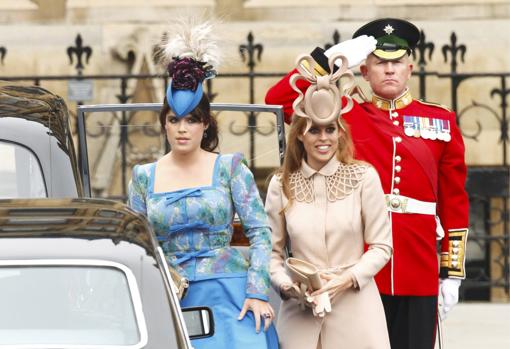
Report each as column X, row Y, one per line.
column 237, row 111
column 64, row 260
column 87, row 273
column 75, row 272
column 36, row 147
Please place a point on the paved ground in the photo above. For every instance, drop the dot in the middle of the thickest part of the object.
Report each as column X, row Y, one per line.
column 469, row 325
column 478, row 325
column 473, row 326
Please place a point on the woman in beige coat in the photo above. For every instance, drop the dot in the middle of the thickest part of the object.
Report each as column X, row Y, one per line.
column 327, row 207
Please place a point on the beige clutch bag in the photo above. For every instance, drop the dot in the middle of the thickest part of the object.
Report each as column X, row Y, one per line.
column 304, row 272
column 308, row 274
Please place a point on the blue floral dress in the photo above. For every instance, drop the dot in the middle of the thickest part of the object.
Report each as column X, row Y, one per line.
column 194, row 228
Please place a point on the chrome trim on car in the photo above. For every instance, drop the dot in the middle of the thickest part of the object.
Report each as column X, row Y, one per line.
column 173, row 298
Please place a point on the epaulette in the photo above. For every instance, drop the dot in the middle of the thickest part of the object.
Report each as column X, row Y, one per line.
column 435, row 105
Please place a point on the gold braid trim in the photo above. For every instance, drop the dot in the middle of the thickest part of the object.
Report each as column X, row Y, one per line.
column 456, row 259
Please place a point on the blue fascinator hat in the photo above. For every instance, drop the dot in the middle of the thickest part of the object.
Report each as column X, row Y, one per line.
column 185, row 90
column 182, row 102
column 190, row 56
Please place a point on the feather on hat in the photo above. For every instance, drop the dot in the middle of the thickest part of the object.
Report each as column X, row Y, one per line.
column 191, row 55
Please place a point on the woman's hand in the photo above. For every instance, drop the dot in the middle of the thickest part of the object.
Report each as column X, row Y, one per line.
column 260, row 309
column 335, row 284
column 291, row 291
column 299, row 292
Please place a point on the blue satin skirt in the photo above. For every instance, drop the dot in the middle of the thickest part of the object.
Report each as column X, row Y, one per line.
column 225, row 296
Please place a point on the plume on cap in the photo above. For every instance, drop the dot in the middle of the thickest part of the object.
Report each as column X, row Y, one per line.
column 321, row 104
column 191, row 55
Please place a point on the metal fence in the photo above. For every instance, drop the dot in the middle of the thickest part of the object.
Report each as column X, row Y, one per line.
column 488, row 267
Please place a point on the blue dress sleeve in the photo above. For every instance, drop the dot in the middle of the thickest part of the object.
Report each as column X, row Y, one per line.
column 249, row 208
column 137, row 190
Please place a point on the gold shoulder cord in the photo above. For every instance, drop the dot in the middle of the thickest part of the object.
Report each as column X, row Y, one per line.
column 453, row 262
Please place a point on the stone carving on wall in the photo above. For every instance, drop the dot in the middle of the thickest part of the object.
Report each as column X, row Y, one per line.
column 142, row 141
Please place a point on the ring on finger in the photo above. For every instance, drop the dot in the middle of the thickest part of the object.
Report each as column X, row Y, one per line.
column 266, row 315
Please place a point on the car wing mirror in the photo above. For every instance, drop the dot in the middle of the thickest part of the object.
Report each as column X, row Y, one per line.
column 199, row 322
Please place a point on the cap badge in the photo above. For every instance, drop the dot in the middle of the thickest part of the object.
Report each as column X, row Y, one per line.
column 388, row 29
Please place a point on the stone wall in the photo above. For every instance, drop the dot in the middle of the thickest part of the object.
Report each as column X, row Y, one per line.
column 36, row 35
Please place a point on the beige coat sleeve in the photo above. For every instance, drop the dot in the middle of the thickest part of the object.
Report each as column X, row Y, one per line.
column 376, row 231
column 274, row 206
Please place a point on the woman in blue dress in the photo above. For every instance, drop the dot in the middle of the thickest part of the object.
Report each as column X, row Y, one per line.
column 190, row 196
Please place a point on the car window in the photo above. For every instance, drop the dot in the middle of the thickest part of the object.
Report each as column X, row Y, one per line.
column 70, row 305
column 20, row 173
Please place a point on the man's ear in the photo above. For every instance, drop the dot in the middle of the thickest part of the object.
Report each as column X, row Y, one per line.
column 364, row 71
column 410, row 70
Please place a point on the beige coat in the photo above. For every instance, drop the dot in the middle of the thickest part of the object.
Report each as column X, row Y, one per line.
column 335, row 212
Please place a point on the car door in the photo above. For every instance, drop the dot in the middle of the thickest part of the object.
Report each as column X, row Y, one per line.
column 258, row 131
column 36, row 147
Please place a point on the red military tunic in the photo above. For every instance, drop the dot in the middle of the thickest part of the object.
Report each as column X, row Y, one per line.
column 421, row 169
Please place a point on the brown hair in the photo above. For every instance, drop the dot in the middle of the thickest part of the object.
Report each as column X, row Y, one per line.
column 295, row 152
column 202, row 112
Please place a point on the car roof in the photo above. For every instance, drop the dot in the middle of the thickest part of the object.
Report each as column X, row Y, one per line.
column 91, row 226
column 37, row 119
column 94, row 233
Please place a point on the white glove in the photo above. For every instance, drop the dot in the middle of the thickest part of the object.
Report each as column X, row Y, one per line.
column 355, row 50
column 449, row 291
column 322, row 304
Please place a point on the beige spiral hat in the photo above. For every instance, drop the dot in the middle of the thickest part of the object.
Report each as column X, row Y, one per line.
column 322, row 104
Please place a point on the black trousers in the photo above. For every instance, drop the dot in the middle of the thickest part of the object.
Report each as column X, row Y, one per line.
column 411, row 321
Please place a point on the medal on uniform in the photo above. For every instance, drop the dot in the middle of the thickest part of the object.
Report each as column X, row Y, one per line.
column 444, row 130
column 439, row 124
column 412, row 127
column 433, row 129
column 409, row 126
column 423, row 128
column 447, row 136
column 427, row 128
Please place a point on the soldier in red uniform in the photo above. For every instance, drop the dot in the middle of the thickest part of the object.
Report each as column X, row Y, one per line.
column 418, row 152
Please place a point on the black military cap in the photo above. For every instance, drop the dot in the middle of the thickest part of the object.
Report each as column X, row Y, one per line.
column 395, row 37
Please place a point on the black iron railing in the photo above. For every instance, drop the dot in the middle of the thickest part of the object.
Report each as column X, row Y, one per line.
column 489, row 231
